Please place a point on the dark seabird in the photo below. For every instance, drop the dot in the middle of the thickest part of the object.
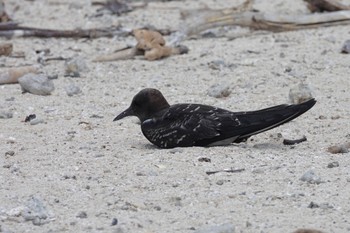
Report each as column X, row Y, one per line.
column 184, row 125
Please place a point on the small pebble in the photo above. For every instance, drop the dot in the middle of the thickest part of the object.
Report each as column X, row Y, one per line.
column 114, row 221
column 74, row 66
column 288, row 69
column 29, row 117
column 220, row 182
column 311, row 178
column 54, row 76
column 300, row 93
column 36, row 121
column 325, row 205
column 204, row 159
column 96, row 116
column 11, row 140
column 82, row 214
column 217, row 64
column 313, row 205
column 37, row 84
column 346, row 47
column 333, row 164
column 72, row 90
column 9, row 153
column 5, row 115
column 219, row 90
column 339, row 149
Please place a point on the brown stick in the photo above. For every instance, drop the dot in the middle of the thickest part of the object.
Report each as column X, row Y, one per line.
column 10, row 30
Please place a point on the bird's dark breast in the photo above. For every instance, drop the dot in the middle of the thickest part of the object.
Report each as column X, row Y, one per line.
column 187, row 125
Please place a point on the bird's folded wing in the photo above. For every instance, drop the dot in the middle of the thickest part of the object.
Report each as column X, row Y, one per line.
column 181, row 125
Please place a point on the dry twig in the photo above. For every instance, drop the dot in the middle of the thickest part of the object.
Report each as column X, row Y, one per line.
column 10, row 30
column 226, row 170
column 271, row 22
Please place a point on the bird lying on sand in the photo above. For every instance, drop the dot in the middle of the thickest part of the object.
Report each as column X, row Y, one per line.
column 185, row 125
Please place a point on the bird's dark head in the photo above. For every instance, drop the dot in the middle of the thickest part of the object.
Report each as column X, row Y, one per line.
column 145, row 104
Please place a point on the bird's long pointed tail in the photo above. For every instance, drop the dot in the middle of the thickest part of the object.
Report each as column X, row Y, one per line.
column 255, row 122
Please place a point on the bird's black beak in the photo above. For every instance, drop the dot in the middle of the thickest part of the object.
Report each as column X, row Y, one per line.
column 127, row 112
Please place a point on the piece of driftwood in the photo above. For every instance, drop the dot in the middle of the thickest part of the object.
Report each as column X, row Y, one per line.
column 268, row 21
column 10, row 30
column 325, row 5
column 12, row 75
column 150, row 44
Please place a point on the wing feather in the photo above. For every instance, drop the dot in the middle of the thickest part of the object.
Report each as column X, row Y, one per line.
column 184, row 125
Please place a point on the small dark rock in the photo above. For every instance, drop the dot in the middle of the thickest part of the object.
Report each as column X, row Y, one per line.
column 96, row 116
column 9, row 153
column 287, row 69
column 204, row 159
column 333, row 164
column 29, row 117
column 346, row 47
column 313, row 205
column 220, row 182
column 325, row 205
column 294, row 141
column 82, row 214
column 114, row 221
column 54, row 76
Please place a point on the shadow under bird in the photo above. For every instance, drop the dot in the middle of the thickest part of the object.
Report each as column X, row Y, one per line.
column 185, row 125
